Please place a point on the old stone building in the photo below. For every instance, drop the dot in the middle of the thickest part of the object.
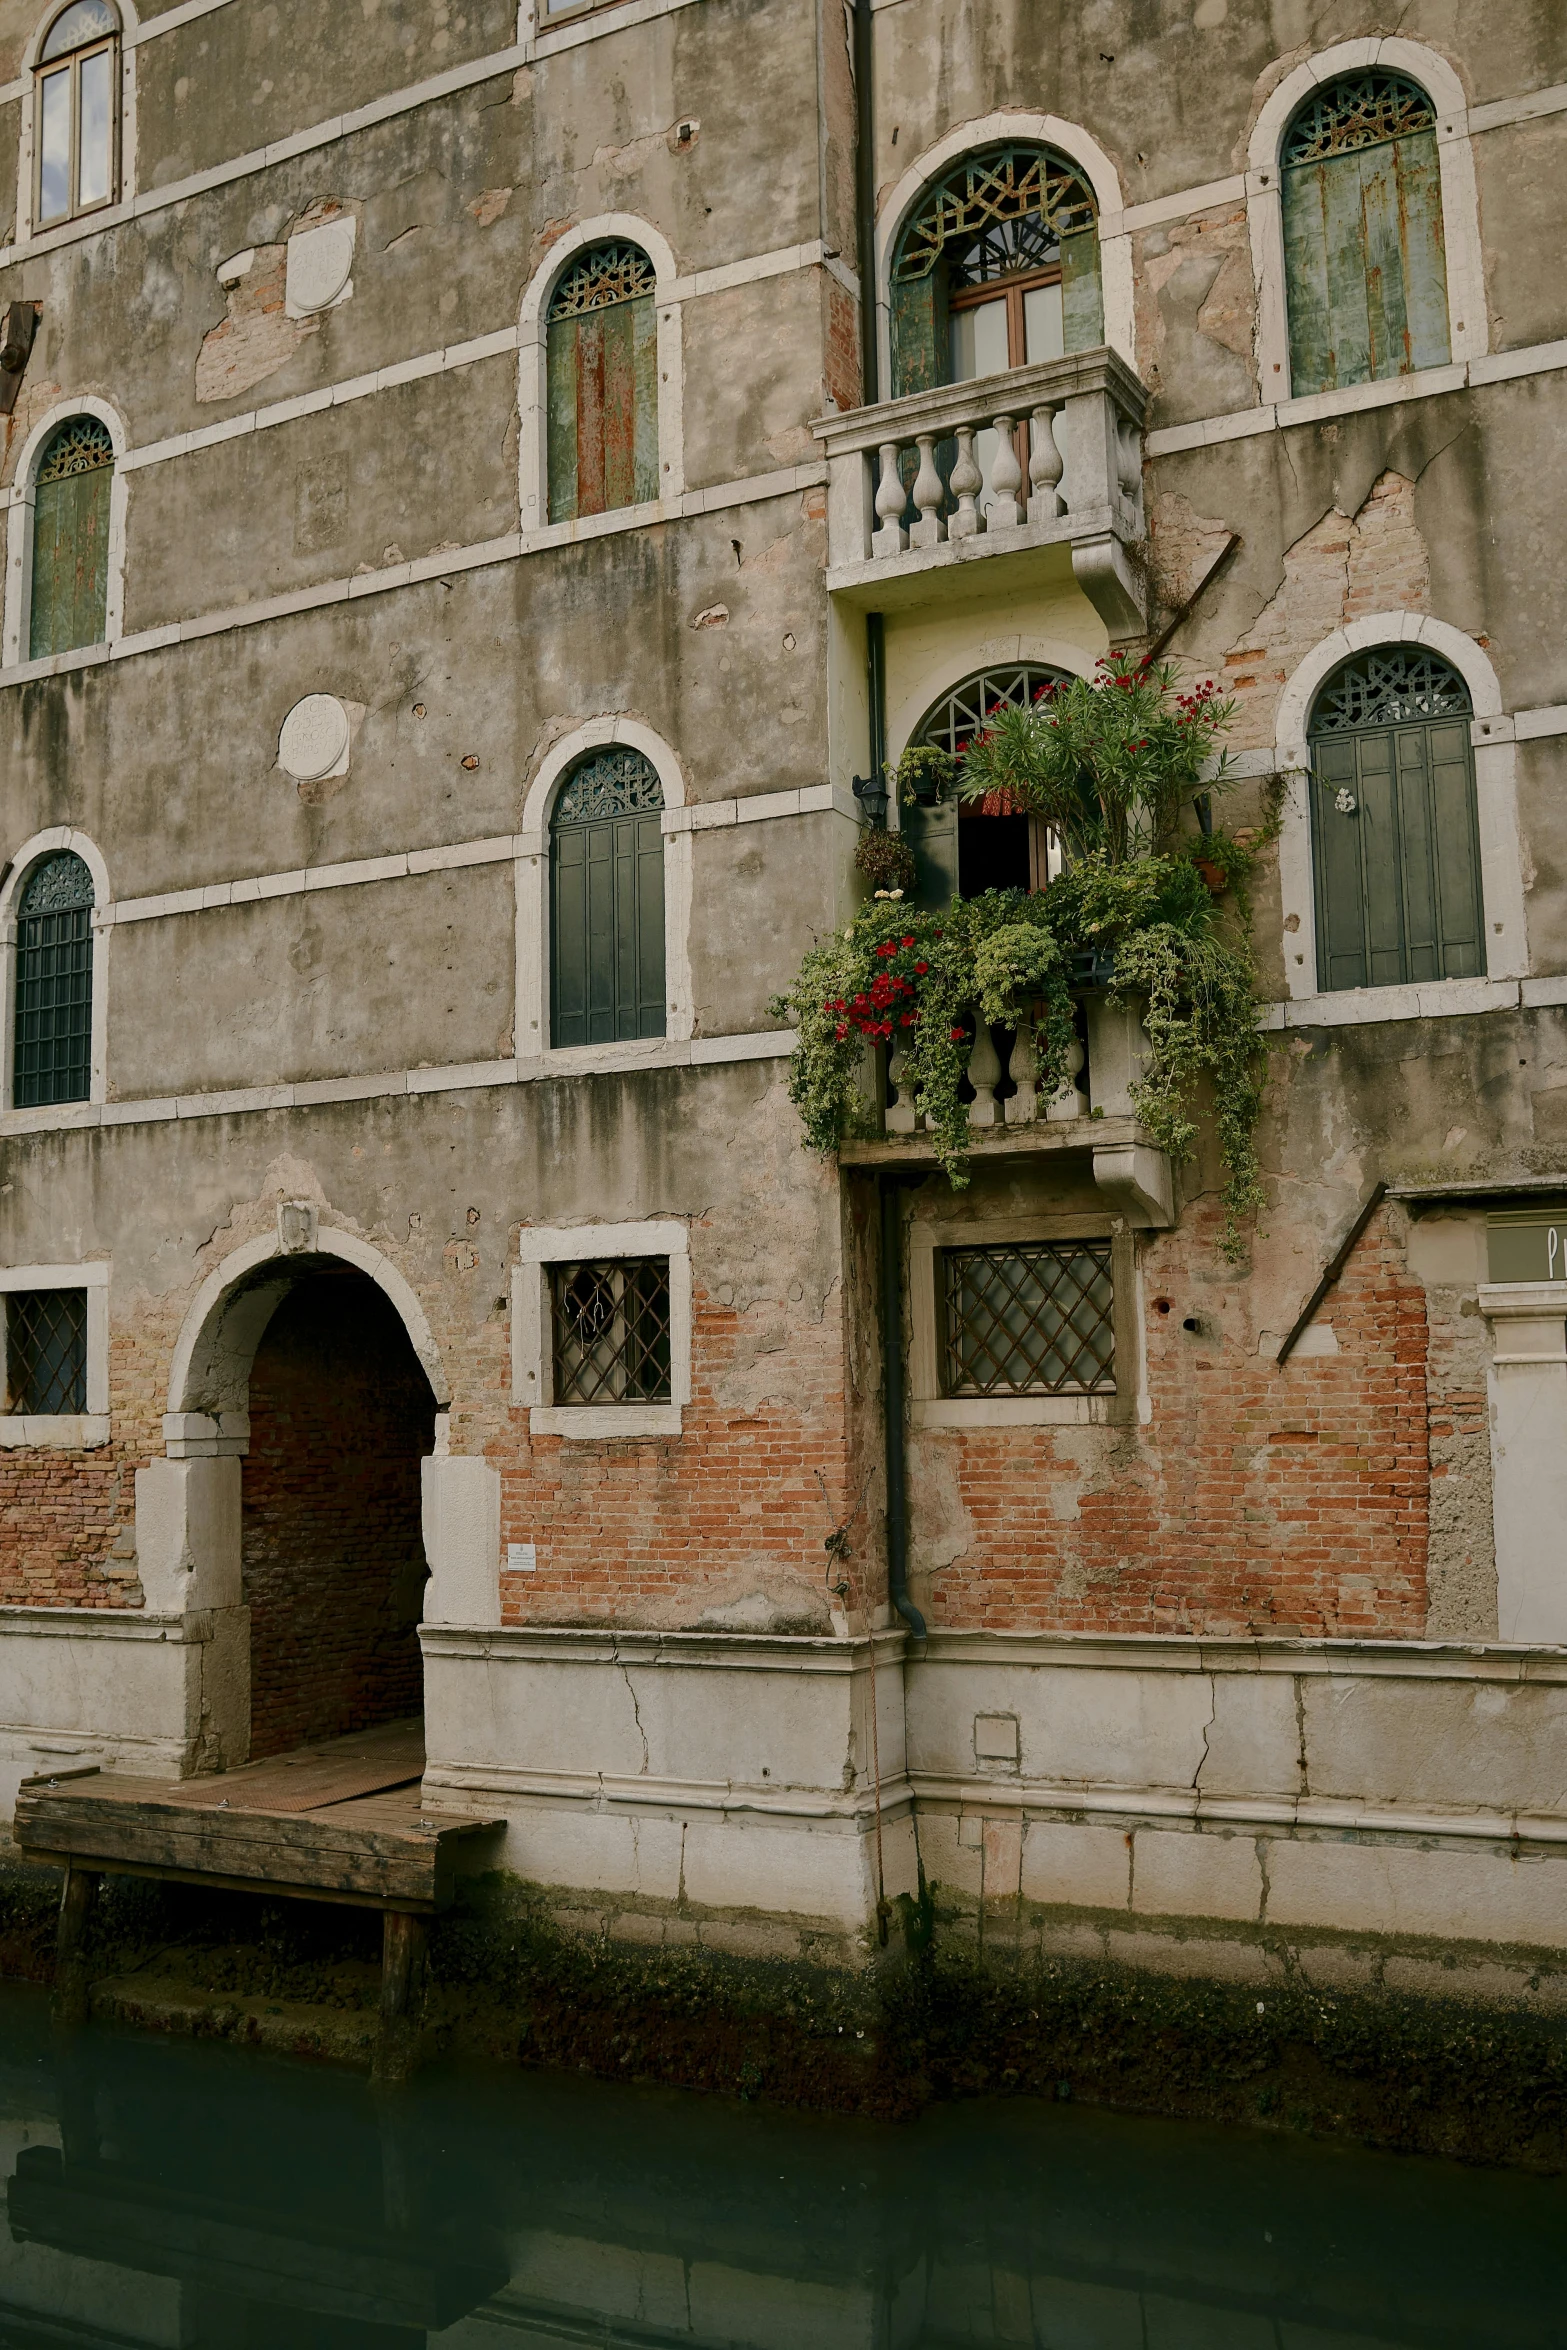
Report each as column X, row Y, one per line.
column 471, row 520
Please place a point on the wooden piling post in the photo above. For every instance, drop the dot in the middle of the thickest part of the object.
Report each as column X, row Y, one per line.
column 72, row 1983
column 403, row 1942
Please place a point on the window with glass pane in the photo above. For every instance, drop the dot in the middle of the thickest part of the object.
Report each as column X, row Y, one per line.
column 998, row 267
column 969, row 846
column 611, row 1331
column 1029, row 1320
column 69, row 603
column 53, row 1038
column 607, row 902
column 601, row 344
column 76, row 127
column 46, row 1351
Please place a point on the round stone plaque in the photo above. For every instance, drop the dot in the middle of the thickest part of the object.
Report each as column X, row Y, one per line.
column 314, row 740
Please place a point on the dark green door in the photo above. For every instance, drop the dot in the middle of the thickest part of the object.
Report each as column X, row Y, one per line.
column 70, row 578
column 607, row 903
column 1396, row 851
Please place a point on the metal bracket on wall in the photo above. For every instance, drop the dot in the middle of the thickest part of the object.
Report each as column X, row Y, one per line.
column 1369, row 1207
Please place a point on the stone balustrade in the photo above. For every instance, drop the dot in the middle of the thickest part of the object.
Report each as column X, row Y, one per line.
column 1042, row 456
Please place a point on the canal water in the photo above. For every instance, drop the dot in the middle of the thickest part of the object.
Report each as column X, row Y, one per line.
column 206, row 2197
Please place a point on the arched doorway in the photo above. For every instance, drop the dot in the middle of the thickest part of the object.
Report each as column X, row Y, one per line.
column 963, row 847
column 332, row 1556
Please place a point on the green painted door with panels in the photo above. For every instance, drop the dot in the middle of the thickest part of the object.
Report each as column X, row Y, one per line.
column 607, row 902
column 1394, row 824
column 70, row 576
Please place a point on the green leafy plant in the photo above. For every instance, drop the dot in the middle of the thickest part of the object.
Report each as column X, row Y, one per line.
column 1158, row 918
column 885, row 858
column 925, row 776
column 1107, row 761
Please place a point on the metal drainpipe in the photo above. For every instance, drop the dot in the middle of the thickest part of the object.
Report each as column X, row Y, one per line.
column 892, row 1400
column 865, row 194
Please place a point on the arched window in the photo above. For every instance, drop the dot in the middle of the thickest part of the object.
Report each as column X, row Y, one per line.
column 70, row 582
column 607, row 901
column 53, row 1035
column 1365, row 268
column 76, row 125
column 997, row 266
column 602, row 355
column 1394, row 830
column 967, row 848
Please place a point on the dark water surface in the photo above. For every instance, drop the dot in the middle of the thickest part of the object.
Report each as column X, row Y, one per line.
column 211, row 2199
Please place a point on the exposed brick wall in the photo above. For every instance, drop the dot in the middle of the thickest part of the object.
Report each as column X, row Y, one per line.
column 340, row 1417
column 1253, row 1501
column 62, row 1516
column 729, row 1516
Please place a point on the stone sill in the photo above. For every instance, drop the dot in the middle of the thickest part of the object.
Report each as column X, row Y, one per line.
column 1510, row 1662
column 61, row 1432
column 1041, row 1138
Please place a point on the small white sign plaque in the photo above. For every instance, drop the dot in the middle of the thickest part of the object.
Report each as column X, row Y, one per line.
column 522, row 1558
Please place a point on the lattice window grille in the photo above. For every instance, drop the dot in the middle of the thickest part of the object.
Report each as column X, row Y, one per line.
column 1397, row 686
column 56, row 886
column 602, row 275
column 46, row 1351
column 1009, row 207
column 1361, row 110
column 76, row 26
column 610, row 783
column 611, row 1331
column 1032, row 1320
column 81, row 445
column 53, row 1034
column 952, row 725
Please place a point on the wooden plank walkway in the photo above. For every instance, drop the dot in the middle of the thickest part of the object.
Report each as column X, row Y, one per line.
column 339, row 1822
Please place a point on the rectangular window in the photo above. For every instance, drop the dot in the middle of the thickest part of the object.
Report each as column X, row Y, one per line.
column 1528, row 1244
column 54, row 136
column 46, row 1352
column 95, row 141
column 610, row 1331
column 1032, row 1319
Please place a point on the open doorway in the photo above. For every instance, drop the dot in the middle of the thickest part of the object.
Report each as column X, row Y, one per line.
column 341, row 1415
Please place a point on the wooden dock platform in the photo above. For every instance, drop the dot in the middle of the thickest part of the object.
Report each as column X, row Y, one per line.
column 339, row 1822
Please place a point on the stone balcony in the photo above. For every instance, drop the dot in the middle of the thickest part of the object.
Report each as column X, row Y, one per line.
column 908, row 498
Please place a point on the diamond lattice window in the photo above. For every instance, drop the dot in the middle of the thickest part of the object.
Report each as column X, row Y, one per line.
column 46, row 1351
column 611, row 1331
column 1031, row 1320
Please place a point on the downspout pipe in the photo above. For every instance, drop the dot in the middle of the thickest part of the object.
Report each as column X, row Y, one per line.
column 893, row 1405
column 865, row 195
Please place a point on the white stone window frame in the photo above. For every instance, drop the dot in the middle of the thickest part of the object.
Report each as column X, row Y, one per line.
column 1496, row 799
column 104, row 215
column 19, row 540
column 1468, row 315
column 533, row 382
column 930, row 1408
column 1527, row 1383
column 64, row 1431
column 24, row 864
column 532, row 1338
column 991, row 130
column 533, row 898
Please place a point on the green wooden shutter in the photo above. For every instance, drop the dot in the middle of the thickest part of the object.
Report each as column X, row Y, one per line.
column 601, row 365
column 1398, row 870
column 1082, row 301
column 70, row 562
column 607, row 904
column 920, row 358
column 1365, row 265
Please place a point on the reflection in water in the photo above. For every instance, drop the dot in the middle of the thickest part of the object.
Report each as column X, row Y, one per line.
column 168, row 2194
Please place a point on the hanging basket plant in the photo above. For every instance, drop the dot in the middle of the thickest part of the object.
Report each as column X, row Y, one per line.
column 1109, row 764
column 885, row 859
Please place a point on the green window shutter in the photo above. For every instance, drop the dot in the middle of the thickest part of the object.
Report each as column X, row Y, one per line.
column 70, row 574
column 1365, row 266
column 1082, row 303
column 607, row 903
column 920, row 360
column 601, row 358
column 1394, row 825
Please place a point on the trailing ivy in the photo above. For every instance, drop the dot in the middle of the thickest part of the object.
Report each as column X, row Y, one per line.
column 1159, row 917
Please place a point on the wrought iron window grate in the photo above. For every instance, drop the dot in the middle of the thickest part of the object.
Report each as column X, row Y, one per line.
column 995, row 213
column 1394, row 685
column 1359, row 110
column 604, row 274
column 82, row 445
column 610, row 783
column 969, row 708
column 1030, row 1320
column 611, row 1331
column 54, row 985
column 46, row 1351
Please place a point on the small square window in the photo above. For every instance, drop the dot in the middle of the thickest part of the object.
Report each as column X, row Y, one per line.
column 46, row 1352
column 1032, row 1319
column 610, row 1331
